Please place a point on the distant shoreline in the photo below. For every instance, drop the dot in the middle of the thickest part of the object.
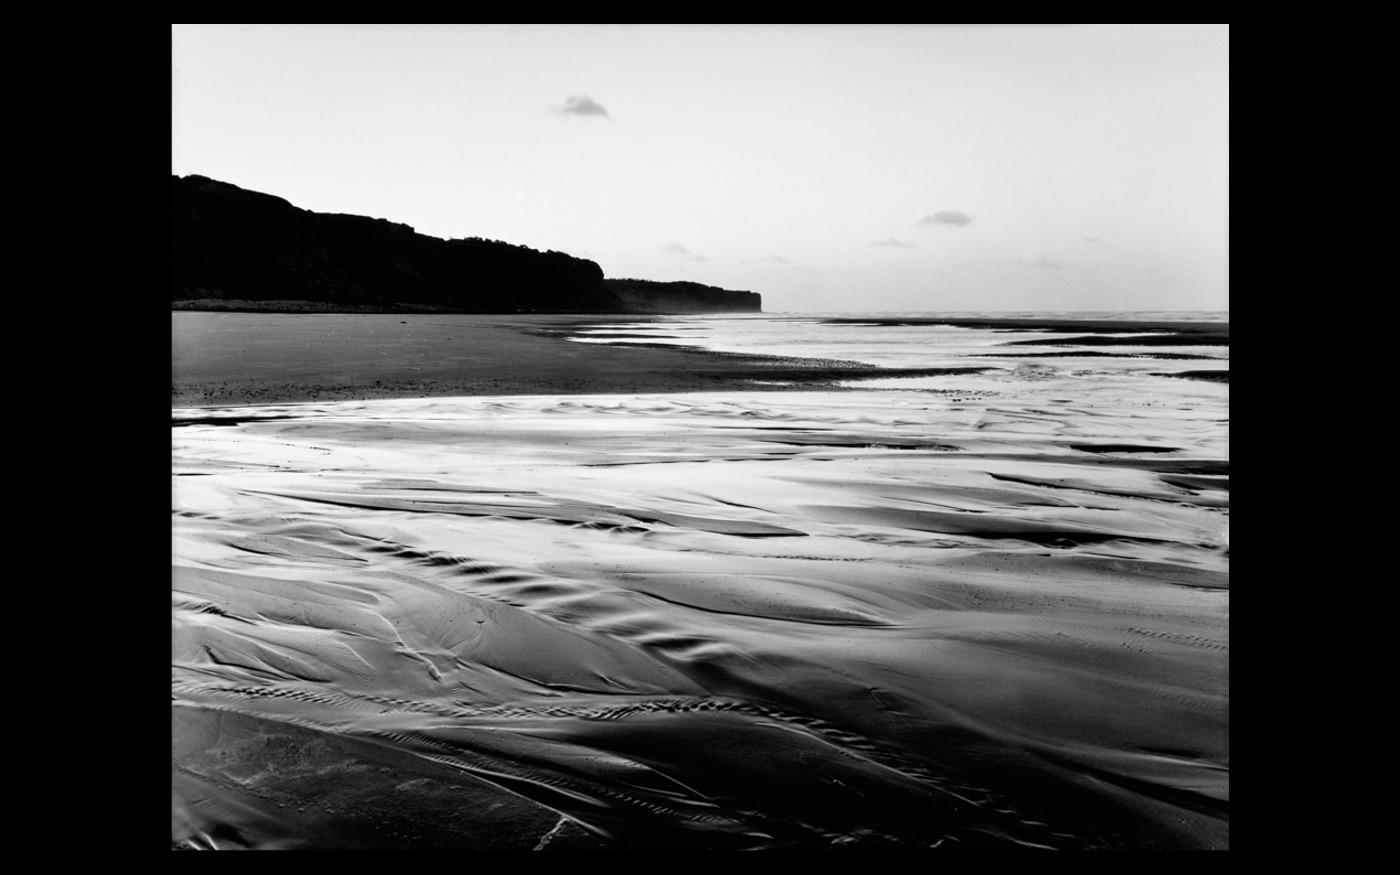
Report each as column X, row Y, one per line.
column 975, row 319
column 238, row 305
column 264, row 357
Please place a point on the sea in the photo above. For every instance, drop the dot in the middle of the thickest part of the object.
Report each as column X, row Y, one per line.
column 919, row 339
column 980, row 602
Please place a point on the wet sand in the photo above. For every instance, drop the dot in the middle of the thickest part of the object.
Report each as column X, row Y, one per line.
column 263, row 358
column 994, row 618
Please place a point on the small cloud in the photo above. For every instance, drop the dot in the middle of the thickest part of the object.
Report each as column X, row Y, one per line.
column 677, row 249
column 583, row 105
column 1092, row 239
column 776, row 259
column 947, row 217
column 1043, row 262
column 893, row 243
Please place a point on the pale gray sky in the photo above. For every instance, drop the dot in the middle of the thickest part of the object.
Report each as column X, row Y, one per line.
column 827, row 167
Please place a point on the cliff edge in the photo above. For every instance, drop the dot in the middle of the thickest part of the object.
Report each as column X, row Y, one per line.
column 238, row 249
column 648, row 296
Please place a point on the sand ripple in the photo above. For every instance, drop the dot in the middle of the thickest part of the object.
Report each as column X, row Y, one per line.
column 879, row 619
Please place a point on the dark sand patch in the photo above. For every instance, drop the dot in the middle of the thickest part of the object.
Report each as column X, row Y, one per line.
column 1121, row 448
column 224, row 359
column 1221, row 376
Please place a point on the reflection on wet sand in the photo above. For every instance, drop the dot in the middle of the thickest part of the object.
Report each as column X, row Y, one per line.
column 880, row 619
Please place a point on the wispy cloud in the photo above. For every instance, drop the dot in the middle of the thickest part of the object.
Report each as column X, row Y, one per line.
column 893, row 243
column 1092, row 239
column 583, row 105
column 956, row 218
column 678, row 249
column 776, row 259
column 1042, row 261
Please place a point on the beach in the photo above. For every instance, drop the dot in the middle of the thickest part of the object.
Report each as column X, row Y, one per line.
column 265, row 358
column 569, row 583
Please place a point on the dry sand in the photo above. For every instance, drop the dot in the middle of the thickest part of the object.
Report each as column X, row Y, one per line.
column 716, row 620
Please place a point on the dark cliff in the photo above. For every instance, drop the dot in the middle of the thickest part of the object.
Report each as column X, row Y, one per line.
column 243, row 247
column 647, row 296
column 230, row 243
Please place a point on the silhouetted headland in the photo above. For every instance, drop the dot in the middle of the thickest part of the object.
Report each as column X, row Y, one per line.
column 235, row 249
column 647, row 296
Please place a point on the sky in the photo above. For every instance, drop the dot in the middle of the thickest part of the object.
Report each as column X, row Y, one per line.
column 829, row 168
